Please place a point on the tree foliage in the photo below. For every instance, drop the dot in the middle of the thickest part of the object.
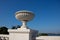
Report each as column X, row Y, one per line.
column 15, row 27
column 3, row 30
column 42, row 34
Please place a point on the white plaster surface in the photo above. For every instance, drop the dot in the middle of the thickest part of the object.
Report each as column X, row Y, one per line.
column 24, row 34
column 19, row 34
column 48, row 38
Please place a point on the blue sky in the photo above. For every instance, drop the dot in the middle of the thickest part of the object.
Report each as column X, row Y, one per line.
column 47, row 14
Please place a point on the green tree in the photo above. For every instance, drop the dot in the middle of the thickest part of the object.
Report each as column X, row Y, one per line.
column 3, row 30
column 15, row 27
column 42, row 34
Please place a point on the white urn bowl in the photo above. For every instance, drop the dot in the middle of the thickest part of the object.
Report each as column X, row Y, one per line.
column 24, row 16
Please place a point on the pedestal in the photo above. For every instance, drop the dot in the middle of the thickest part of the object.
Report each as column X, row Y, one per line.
column 21, row 34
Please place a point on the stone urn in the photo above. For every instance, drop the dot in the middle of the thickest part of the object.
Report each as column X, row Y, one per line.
column 24, row 16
